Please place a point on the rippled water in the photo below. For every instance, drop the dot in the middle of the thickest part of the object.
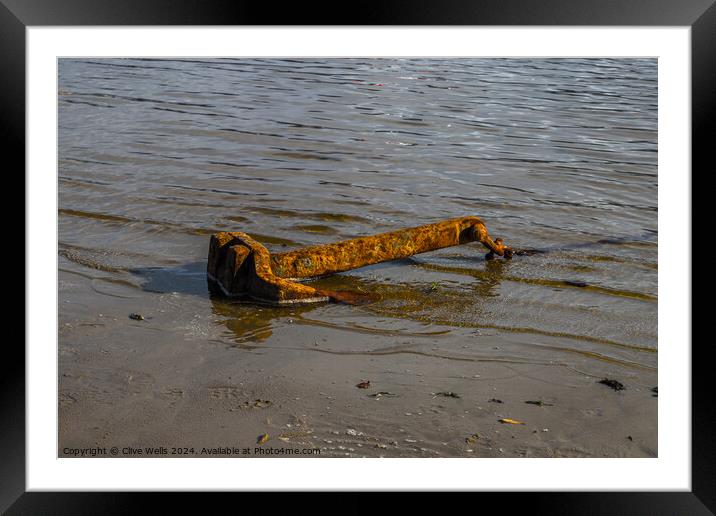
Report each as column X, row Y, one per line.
column 554, row 154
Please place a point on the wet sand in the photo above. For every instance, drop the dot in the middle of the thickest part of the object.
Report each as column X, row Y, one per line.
column 139, row 384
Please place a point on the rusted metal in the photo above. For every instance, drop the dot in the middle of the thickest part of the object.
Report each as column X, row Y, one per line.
column 243, row 267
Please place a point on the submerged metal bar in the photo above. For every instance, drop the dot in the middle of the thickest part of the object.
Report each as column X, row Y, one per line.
column 242, row 266
column 326, row 259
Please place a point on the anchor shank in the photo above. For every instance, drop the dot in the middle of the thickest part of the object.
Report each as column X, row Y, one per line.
column 327, row 259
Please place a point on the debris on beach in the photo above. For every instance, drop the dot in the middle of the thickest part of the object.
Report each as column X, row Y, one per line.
column 257, row 403
column 432, row 288
column 381, row 394
column 472, row 439
column 136, row 317
column 262, row 439
column 512, row 421
column 364, row 384
column 447, row 394
column 655, row 390
column 495, row 400
column 539, row 403
column 617, row 386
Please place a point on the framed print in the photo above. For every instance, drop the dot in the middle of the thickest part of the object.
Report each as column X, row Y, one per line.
column 417, row 253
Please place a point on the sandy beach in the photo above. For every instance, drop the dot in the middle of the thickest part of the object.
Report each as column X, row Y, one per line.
column 434, row 391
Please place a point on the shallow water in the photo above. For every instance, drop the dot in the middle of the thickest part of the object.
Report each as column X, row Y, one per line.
column 554, row 154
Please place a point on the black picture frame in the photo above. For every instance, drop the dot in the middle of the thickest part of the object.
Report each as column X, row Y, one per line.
column 17, row 15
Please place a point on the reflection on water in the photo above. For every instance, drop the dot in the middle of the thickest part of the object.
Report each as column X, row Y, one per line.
column 250, row 324
column 556, row 155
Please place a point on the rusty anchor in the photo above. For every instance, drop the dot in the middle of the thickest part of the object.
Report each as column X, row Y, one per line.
column 241, row 266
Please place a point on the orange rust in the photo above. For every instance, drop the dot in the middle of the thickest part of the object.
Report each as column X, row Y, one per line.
column 240, row 265
column 327, row 259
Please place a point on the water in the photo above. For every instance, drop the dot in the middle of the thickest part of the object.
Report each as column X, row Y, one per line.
column 555, row 154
